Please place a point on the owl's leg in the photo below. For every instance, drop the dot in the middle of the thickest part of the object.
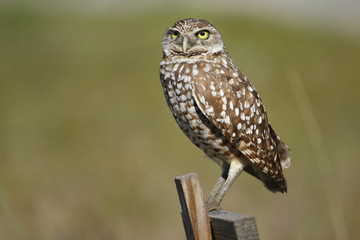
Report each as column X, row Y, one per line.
column 215, row 191
column 211, row 199
column 236, row 168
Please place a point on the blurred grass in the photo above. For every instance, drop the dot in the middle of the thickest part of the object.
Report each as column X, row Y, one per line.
column 89, row 149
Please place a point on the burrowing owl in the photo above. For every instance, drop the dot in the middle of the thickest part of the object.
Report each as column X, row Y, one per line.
column 218, row 108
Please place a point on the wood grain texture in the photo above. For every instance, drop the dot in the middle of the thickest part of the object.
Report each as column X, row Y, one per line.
column 194, row 214
column 196, row 219
column 227, row 225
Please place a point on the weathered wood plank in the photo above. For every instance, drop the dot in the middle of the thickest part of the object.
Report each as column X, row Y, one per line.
column 224, row 225
column 194, row 214
column 227, row 225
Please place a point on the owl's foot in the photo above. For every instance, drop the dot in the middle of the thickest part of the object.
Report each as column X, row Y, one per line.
column 212, row 206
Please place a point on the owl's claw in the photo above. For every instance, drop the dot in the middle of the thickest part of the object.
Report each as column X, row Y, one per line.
column 212, row 206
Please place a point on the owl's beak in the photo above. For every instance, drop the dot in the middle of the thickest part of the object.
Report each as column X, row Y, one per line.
column 185, row 44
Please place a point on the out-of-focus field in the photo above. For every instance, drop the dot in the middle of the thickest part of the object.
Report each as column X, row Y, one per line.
column 89, row 149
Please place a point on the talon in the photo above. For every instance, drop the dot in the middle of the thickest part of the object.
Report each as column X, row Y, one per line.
column 213, row 208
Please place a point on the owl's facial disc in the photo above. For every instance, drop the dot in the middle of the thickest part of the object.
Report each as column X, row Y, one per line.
column 188, row 43
column 185, row 38
column 179, row 42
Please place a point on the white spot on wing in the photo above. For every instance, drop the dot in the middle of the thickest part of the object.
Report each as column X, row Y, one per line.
column 237, row 111
column 227, row 120
column 242, row 116
column 246, row 104
column 221, row 93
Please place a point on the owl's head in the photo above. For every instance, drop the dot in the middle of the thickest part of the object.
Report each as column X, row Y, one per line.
column 191, row 37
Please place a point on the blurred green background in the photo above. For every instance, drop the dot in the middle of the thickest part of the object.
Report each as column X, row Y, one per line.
column 89, row 149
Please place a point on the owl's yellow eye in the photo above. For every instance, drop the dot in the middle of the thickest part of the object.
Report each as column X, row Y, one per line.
column 175, row 34
column 203, row 34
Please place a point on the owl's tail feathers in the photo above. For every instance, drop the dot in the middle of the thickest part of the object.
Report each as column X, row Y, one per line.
column 282, row 149
column 274, row 186
column 271, row 183
column 284, row 153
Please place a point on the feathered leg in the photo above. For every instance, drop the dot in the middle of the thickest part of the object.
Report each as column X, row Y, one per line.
column 223, row 185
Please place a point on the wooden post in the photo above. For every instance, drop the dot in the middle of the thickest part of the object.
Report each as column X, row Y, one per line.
column 229, row 225
column 224, row 225
column 194, row 214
